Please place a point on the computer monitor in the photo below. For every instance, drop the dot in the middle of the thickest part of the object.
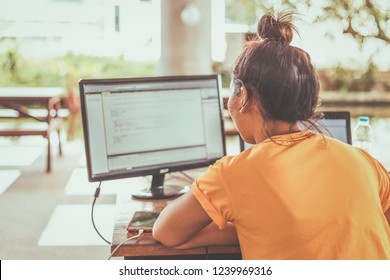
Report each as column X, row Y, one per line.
column 151, row 126
column 335, row 124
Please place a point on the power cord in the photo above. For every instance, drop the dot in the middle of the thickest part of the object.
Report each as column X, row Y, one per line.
column 190, row 179
column 140, row 232
column 97, row 192
column 187, row 178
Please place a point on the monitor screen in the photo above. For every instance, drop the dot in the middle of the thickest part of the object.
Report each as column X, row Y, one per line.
column 335, row 124
column 151, row 126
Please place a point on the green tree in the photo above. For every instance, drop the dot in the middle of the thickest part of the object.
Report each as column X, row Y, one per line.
column 241, row 11
column 361, row 19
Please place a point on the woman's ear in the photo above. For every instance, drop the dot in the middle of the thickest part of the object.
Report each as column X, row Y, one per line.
column 243, row 98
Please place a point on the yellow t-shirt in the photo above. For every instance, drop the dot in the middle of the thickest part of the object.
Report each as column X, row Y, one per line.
column 301, row 196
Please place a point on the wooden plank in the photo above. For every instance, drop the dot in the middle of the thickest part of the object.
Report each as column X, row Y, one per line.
column 39, row 113
column 21, row 129
column 30, row 93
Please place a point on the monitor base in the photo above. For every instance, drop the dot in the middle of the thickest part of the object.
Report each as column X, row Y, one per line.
column 161, row 192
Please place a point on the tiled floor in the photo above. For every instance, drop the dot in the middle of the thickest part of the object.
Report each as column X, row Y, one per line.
column 8, row 177
column 70, row 225
column 48, row 216
column 18, row 155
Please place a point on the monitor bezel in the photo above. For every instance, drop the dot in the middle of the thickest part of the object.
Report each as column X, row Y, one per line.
column 153, row 170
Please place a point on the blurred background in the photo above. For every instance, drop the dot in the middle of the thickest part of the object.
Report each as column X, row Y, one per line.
column 58, row 42
column 55, row 43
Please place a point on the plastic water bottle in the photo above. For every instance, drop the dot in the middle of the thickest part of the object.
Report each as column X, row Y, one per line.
column 363, row 134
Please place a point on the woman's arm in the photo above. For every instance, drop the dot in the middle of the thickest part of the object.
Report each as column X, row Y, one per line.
column 185, row 224
column 212, row 235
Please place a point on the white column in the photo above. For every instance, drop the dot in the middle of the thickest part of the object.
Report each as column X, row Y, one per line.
column 185, row 37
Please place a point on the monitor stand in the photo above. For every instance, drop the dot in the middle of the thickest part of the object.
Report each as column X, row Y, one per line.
column 158, row 190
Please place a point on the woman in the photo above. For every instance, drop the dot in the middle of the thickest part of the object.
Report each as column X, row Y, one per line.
column 296, row 194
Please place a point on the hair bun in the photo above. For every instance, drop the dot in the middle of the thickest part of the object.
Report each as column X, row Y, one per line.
column 278, row 28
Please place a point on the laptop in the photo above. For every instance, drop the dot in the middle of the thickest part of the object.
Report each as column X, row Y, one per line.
column 336, row 124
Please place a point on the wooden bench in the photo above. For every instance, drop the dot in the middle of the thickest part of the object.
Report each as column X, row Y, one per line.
column 38, row 113
column 32, row 111
column 11, row 125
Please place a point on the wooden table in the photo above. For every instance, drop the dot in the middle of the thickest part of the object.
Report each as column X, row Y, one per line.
column 146, row 247
column 41, row 120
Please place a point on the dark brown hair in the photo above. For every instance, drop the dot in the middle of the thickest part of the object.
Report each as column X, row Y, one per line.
column 280, row 76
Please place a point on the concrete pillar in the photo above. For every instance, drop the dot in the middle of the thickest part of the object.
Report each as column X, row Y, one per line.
column 185, row 37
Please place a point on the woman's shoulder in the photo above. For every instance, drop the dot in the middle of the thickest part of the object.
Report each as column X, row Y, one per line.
column 243, row 158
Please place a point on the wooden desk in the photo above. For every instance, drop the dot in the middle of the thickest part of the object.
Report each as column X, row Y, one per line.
column 146, row 247
column 16, row 101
